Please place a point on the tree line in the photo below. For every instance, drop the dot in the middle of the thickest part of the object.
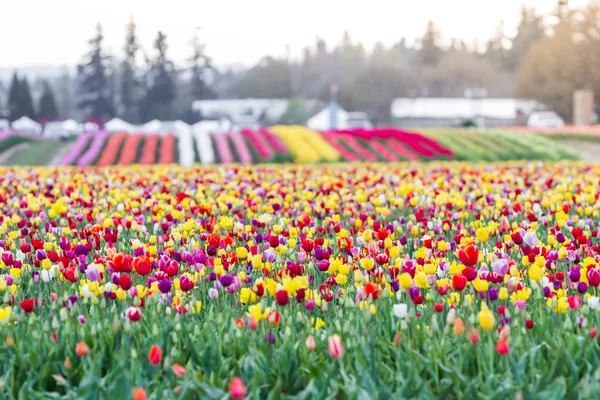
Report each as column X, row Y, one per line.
column 548, row 58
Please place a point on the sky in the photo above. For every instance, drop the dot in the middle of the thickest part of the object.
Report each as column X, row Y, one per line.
column 43, row 32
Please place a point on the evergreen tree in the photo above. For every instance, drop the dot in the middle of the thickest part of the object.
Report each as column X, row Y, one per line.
column 94, row 86
column 529, row 31
column 14, row 111
column 25, row 101
column 130, row 86
column 47, row 108
column 496, row 51
column 161, row 93
column 200, row 64
column 430, row 52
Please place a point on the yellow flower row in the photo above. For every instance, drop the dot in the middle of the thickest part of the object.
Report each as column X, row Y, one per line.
column 306, row 146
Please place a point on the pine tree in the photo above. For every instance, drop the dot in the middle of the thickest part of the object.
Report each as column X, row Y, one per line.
column 94, row 88
column 161, row 93
column 47, row 108
column 200, row 64
column 25, row 101
column 13, row 97
column 529, row 31
column 130, row 86
column 430, row 51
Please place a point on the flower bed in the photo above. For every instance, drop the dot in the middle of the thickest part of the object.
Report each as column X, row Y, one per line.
column 149, row 150
column 433, row 280
column 110, row 153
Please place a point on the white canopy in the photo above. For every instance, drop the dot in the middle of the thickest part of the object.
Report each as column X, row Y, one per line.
column 322, row 120
column 118, row 125
column 26, row 124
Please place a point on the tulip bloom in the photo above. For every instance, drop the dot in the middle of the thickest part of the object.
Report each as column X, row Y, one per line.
column 155, row 355
column 336, row 349
column 81, row 349
column 178, row 369
column 468, row 255
column 237, row 388
column 142, row 265
column 459, row 282
column 502, row 346
column 274, row 318
column 282, row 297
column 133, row 314
column 311, row 344
column 139, row 394
column 27, row 305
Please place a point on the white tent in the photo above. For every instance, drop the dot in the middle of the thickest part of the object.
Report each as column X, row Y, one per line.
column 72, row 127
column 154, row 126
column 62, row 128
column 4, row 124
column 322, row 121
column 118, row 125
column 26, row 124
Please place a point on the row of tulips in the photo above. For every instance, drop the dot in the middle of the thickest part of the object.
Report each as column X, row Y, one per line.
column 110, row 153
column 149, row 150
column 129, row 150
column 428, row 280
column 406, row 145
column 306, row 146
column 238, row 141
column 167, row 150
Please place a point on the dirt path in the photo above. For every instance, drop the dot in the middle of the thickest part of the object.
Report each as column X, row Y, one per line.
column 6, row 155
column 59, row 155
column 588, row 151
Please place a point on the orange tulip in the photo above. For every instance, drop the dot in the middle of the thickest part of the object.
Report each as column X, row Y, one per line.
column 139, row 394
column 81, row 349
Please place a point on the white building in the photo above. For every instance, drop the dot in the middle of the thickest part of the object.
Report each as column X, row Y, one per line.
column 425, row 112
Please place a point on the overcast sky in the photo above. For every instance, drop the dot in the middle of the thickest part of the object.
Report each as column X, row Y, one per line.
column 54, row 32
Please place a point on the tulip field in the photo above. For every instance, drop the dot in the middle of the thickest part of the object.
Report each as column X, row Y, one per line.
column 333, row 280
column 281, row 144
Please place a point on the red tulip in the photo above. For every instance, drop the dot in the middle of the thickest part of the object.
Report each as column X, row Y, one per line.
column 142, row 265
column 155, row 355
column 502, row 347
column 372, row 290
column 282, row 297
column 121, row 263
column 27, row 305
column 237, row 388
column 273, row 241
column 469, row 273
column 125, row 282
column 459, row 282
column 529, row 324
column 468, row 255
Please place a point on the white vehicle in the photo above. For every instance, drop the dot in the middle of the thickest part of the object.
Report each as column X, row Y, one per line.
column 358, row 120
column 545, row 119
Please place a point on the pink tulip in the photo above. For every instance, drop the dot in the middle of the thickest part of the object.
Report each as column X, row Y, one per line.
column 336, row 349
